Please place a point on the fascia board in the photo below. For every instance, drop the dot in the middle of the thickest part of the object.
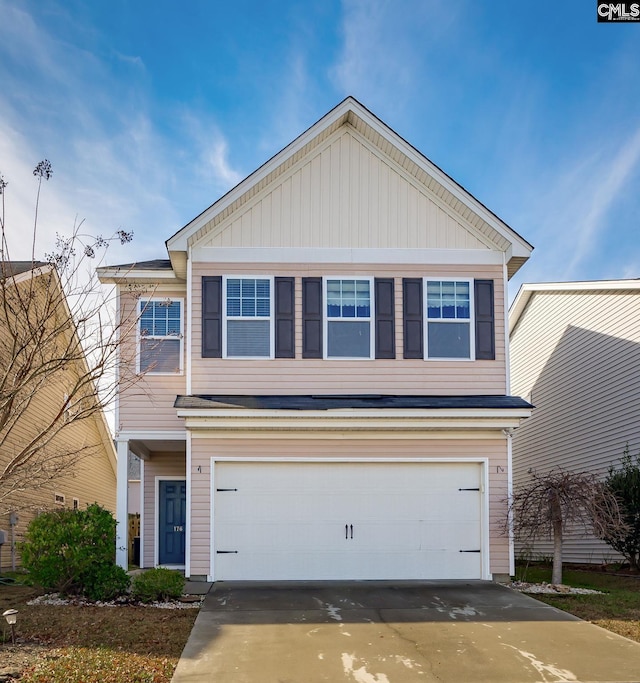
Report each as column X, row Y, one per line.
column 114, row 276
column 528, row 290
column 519, row 246
column 355, row 419
column 178, row 242
column 36, row 271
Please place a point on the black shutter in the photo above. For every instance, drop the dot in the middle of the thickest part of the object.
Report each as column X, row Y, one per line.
column 285, row 317
column 212, row 316
column 485, row 320
column 412, row 313
column 312, row 317
column 385, row 318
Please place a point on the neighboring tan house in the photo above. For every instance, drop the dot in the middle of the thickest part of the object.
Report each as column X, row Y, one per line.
column 326, row 392
column 92, row 478
column 575, row 354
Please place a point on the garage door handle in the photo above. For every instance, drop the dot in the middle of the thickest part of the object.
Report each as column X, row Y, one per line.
column 348, row 528
column 469, row 551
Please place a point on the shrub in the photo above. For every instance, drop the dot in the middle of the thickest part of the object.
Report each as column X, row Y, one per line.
column 73, row 552
column 106, row 582
column 624, row 482
column 157, row 584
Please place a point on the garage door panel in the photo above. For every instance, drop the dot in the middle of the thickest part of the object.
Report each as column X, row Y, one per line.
column 300, row 521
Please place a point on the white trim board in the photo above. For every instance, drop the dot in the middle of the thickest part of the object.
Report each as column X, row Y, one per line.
column 347, row 255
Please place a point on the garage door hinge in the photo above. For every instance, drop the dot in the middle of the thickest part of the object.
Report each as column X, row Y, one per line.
column 231, row 552
column 226, row 489
column 469, row 551
column 477, row 489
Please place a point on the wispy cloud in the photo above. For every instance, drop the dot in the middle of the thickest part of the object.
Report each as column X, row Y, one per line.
column 385, row 54
column 607, row 182
column 113, row 167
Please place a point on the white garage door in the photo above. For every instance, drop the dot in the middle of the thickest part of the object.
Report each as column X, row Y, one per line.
column 297, row 521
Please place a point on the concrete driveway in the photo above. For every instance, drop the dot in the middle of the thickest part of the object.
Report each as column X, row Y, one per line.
column 374, row 632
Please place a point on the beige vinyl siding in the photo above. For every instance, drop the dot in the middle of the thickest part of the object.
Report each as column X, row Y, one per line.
column 575, row 355
column 171, row 466
column 93, row 479
column 203, row 449
column 302, row 376
column 346, row 193
column 147, row 403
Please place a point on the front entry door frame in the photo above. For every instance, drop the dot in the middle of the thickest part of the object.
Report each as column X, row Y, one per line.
column 156, row 557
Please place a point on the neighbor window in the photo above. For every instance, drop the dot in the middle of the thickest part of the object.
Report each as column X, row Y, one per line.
column 248, row 317
column 348, row 318
column 58, row 498
column 449, row 315
column 160, row 336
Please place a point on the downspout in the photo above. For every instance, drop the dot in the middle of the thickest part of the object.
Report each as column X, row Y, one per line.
column 188, row 477
column 508, row 432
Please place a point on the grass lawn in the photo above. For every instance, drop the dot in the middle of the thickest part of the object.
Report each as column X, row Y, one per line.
column 617, row 610
column 73, row 644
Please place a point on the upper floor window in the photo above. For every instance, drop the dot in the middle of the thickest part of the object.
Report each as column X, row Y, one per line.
column 248, row 317
column 349, row 318
column 160, row 334
column 449, row 329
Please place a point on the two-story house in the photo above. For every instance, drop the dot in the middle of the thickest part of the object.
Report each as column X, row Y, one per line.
column 575, row 354
column 326, row 391
column 49, row 458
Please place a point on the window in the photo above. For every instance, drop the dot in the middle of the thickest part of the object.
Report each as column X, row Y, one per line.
column 160, row 328
column 248, row 317
column 449, row 333
column 349, row 318
column 76, row 504
column 58, row 498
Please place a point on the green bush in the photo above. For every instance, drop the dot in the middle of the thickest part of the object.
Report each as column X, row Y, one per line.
column 73, row 553
column 106, row 582
column 624, row 482
column 157, row 584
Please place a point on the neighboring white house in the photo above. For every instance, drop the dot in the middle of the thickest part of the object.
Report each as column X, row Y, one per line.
column 575, row 354
column 326, row 389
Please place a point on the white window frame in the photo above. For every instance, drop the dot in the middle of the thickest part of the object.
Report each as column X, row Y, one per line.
column 76, row 503
column 59, row 499
column 326, row 319
column 140, row 307
column 472, row 325
column 262, row 318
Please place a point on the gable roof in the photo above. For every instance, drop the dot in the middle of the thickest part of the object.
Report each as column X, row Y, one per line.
column 13, row 268
column 20, row 272
column 528, row 290
column 351, row 113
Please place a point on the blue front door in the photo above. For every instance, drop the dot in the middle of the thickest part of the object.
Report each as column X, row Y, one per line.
column 173, row 515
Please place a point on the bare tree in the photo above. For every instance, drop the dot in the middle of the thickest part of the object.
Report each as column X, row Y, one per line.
column 60, row 355
column 550, row 502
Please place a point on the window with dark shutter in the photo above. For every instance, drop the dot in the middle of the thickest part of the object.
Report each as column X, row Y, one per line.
column 285, row 317
column 385, row 340
column 412, row 318
column 485, row 320
column 212, row 316
column 312, row 317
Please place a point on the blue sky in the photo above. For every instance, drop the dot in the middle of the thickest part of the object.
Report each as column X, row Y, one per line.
column 149, row 111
